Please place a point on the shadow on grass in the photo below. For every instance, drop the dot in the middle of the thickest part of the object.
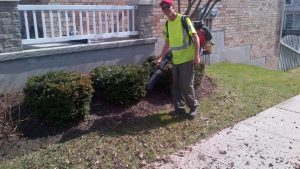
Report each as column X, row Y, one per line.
column 148, row 123
column 135, row 126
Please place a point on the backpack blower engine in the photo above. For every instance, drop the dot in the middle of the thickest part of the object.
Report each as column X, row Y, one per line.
column 157, row 72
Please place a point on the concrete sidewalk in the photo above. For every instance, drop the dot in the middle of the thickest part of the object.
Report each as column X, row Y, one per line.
column 271, row 139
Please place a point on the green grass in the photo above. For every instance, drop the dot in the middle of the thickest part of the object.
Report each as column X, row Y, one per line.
column 241, row 92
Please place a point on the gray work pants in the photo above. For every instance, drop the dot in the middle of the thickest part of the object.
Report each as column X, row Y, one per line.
column 183, row 91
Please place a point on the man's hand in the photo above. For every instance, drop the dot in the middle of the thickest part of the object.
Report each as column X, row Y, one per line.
column 157, row 60
column 197, row 60
column 197, row 49
column 165, row 50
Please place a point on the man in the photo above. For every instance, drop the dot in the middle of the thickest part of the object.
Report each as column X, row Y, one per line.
column 185, row 57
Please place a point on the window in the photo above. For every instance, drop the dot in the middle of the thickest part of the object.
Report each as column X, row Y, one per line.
column 288, row 2
column 288, row 21
column 292, row 21
column 296, row 22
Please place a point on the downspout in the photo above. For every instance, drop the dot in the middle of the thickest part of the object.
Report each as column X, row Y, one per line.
column 282, row 18
column 279, row 67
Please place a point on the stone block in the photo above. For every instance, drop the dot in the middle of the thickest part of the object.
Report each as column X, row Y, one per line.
column 7, row 44
column 14, row 29
column 15, row 16
column 2, row 9
column 5, row 4
column 12, row 49
column 16, row 42
column 4, row 15
column 6, row 36
column 5, row 21
column 148, row 19
column 4, row 29
column 17, row 36
column 16, row 22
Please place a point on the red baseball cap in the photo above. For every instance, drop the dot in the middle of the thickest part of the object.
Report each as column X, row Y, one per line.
column 166, row 1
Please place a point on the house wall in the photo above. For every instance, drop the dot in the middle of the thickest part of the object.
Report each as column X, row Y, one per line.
column 253, row 25
column 252, row 22
column 251, row 28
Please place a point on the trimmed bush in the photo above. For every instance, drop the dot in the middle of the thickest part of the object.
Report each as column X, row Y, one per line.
column 165, row 81
column 120, row 84
column 58, row 96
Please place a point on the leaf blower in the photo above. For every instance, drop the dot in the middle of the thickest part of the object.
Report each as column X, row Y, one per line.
column 157, row 72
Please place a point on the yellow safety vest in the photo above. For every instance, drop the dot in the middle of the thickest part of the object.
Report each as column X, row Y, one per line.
column 182, row 50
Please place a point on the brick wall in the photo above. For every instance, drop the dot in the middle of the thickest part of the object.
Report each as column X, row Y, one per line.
column 10, row 37
column 252, row 22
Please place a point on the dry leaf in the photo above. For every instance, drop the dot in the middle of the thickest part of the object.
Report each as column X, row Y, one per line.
column 143, row 163
column 141, row 155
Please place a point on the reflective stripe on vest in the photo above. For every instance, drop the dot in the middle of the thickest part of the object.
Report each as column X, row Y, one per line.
column 185, row 44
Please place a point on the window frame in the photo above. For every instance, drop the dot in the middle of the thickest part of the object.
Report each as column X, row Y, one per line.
column 293, row 21
column 292, row 2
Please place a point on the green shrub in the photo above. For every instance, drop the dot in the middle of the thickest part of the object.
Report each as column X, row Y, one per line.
column 58, row 96
column 120, row 84
column 165, row 81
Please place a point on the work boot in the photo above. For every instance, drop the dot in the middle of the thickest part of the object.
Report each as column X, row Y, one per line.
column 193, row 113
column 177, row 112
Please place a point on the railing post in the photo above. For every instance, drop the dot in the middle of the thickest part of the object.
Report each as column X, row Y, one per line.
column 143, row 17
column 10, row 36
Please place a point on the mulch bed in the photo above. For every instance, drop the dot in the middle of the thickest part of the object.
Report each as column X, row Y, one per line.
column 32, row 135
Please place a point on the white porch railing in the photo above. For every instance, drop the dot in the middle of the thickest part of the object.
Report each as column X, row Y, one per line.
column 58, row 23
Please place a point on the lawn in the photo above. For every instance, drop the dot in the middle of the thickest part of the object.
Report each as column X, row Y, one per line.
column 241, row 92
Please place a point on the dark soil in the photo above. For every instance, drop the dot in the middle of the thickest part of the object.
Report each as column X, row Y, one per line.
column 26, row 134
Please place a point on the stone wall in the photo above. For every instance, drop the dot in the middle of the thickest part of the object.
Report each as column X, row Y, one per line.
column 144, row 18
column 10, row 37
